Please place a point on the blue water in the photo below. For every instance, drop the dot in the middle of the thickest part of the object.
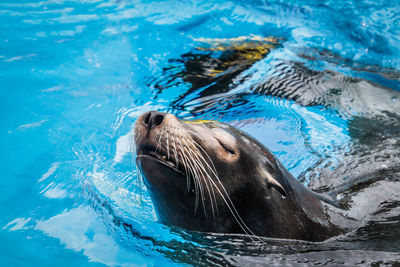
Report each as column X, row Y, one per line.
column 75, row 75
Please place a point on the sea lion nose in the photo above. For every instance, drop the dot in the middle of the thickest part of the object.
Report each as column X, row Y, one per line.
column 153, row 118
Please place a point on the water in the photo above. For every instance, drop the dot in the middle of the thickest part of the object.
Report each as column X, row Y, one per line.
column 75, row 75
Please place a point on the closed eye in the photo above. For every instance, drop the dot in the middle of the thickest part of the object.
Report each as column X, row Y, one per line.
column 227, row 148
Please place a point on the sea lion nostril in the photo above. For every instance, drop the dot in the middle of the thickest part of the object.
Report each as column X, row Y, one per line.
column 158, row 119
column 146, row 119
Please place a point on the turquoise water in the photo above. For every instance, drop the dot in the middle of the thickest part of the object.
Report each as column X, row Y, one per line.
column 75, row 75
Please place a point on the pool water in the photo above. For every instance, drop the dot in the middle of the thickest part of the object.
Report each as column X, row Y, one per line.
column 75, row 76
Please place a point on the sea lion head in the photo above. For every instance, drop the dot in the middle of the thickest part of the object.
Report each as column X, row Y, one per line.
column 207, row 175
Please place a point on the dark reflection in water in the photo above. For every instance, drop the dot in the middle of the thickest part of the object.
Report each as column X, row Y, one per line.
column 219, row 71
column 215, row 64
column 211, row 69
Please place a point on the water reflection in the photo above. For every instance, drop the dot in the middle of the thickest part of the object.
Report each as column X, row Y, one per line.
column 78, row 229
column 228, row 69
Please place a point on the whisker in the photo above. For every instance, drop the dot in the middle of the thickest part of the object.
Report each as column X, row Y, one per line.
column 159, row 139
column 200, row 166
column 167, row 131
column 195, row 180
column 184, row 160
column 227, row 200
column 198, row 172
column 175, row 153
column 213, row 170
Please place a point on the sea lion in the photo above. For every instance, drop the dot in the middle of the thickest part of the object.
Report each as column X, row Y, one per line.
column 211, row 177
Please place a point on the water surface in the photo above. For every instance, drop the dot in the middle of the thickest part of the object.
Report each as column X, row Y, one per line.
column 75, row 76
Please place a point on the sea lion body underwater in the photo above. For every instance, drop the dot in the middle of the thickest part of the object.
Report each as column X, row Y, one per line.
column 211, row 177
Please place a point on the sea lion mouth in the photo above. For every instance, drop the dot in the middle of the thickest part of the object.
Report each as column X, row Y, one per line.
column 157, row 155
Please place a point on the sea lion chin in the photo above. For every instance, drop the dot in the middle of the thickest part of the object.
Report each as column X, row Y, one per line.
column 209, row 176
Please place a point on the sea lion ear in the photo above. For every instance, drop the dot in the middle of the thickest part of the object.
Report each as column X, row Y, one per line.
column 274, row 183
column 271, row 182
